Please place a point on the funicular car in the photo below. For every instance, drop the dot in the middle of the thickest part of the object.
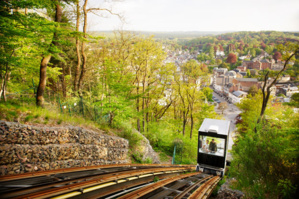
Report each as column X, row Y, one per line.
column 213, row 137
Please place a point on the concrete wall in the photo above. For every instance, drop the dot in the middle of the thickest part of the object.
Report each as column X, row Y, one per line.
column 26, row 148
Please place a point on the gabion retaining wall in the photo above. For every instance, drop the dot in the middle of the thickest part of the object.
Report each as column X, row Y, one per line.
column 25, row 148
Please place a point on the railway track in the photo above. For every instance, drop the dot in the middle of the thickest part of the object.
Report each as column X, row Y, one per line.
column 109, row 181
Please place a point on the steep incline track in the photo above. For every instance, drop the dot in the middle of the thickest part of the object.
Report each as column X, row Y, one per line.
column 103, row 181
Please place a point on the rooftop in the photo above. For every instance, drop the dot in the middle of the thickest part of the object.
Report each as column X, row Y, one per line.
column 239, row 93
column 247, row 79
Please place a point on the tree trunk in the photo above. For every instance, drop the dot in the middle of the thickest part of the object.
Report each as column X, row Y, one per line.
column 192, row 122
column 77, row 71
column 5, row 79
column 184, row 124
column 3, row 85
column 83, row 48
column 147, row 121
column 44, row 63
column 63, row 85
column 42, row 80
column 137, row 108
column 143, row 108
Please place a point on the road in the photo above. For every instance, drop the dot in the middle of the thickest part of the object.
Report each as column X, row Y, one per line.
column 229, row 114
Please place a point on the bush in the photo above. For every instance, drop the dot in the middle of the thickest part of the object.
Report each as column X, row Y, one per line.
column 265, row 163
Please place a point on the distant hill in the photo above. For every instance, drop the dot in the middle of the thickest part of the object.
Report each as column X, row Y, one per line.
column 166, row 35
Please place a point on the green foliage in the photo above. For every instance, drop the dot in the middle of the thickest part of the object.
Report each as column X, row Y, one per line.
column 28, row 118
column 131, row 135
column 137, row 157
column 253, row 90
column 224, row 65
column 265, row 156
column 295, row 99
column 163, row 156
column 263, row 168
column 156, row 179
column 208, row 93
column 220, row 183
column 162, row 136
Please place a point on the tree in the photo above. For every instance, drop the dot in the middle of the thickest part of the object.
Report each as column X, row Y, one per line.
column 263, row 45
column 76, row 78
column 218, row 61
column 224, row 65
column 208, row 93
column 291, row 51
column 253, row 153
column 222, row 106
column 84, row 60
column 277, row 56
column 83, row 53
column 28, row 37
column 295, row 99
column 221, row 48
column 253, row 52
column 230, row 48
column 47, row 57
column 231, row 58
column 248, row 74
column 253, row 90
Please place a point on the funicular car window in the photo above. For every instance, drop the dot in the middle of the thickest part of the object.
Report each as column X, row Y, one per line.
column 212, row 146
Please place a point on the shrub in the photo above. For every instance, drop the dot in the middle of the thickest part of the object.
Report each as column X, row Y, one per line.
column 265, row 162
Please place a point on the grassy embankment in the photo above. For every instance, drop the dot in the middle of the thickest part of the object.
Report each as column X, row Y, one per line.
column 28, row 113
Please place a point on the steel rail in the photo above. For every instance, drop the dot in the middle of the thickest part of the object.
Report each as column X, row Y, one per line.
column 209, row 192
column 36, row 188
column 76, row 169
column 201, row 191
column 145, row 190
column 168, row 189
column 100, row 181
column 189, row 189
column 124, row 187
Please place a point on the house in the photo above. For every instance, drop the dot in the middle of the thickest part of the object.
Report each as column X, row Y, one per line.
column 252, row 65
column 227, row 89
column 244, row 84
column 277, row 66
column 284, row 79
column 289, row 91
column 237, row 96
column 242, row 68
column 219, row 71
column 244, row 57
column 266, row 64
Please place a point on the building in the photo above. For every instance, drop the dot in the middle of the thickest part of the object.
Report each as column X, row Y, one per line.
column 244, row 84
column 289, row 90
column 237, row 96
column 266, row 64
column 252, row 65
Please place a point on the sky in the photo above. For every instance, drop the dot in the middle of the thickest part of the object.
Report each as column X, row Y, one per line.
column 198, row 15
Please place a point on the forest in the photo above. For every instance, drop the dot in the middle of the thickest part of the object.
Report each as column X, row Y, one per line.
column 120, row 82
column 53, row 71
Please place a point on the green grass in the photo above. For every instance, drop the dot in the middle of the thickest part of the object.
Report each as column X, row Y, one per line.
column 163, row 157
column 50, row 115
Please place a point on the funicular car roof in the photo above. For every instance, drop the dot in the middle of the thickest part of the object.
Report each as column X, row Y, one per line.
column 223, row 127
